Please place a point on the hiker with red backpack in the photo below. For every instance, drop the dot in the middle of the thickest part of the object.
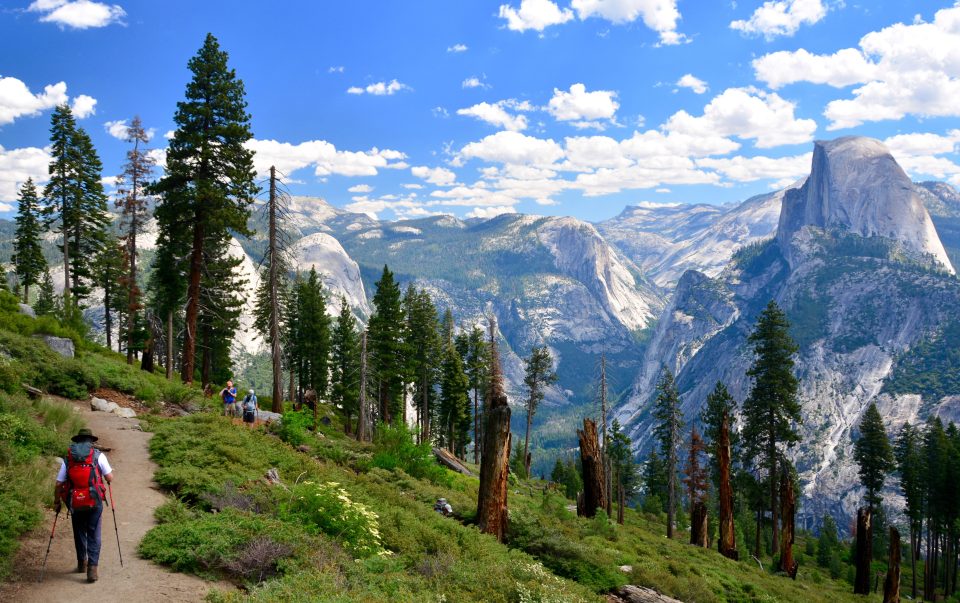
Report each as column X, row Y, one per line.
column 82, row 482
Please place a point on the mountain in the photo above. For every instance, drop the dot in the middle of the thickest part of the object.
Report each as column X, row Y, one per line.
column 871, row 296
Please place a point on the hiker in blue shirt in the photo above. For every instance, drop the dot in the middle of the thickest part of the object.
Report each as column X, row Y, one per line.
column 229, row 397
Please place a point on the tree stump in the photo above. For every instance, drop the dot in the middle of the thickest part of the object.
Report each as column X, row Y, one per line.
column 727, row 542
column 891, row 585
column 594, row 490
column 698, row 525
column 861, row 584
column 788, row 508
column 495, row 455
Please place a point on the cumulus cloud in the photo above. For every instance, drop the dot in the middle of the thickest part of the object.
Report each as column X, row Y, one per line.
column 750, row 169
column 496, row 115
column 16, row 165
column 323, row 156
column 840, row 69
column 781, row 18
column 491, row 212
column 534, row 14
column 474, row 82
column 361, row 188
column 336, row 69
column 692, row 82
column 457, row 48
column 379, row 88
column 582, row 107
column 745, row 113
column 919, row 153
column 83, row 106
column 78, row 14
column 118, row 129
column 659, row 15
column 17, row 101
column 438, row 175
column 513, row 148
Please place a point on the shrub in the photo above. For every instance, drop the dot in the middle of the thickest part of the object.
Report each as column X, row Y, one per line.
column 294, row 426
column 395, row 449
column 328, row 507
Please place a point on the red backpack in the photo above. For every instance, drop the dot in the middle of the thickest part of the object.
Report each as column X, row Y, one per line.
column 83, row 477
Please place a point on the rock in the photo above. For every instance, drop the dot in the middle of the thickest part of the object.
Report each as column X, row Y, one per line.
column 626, row 569
column 60, row 345
column 27, row 310
column 641, row 594
column 102, row 405
column 272, row 476
column 269, row 417
column 126, row 413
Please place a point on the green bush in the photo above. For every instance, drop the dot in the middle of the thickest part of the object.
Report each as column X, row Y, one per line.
column 395, row 449
column 329, row 507
column 294, row 427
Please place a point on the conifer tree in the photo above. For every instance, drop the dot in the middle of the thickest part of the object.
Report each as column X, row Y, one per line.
column 909, row 459
column 133, row 203
column 697, row 483
column 425, row 352
column 622, row 466
column 538, row 375
column 655, row 483
column 89, row 235
column 772, row 409
column 473, row 349
column 46, row 304
column 108, row 272
column 669, row 419
column 62, row 188
column 345, row 363
column 873, row 454
column 719, row 405
column 386, row 344
column 28, row 260
column 223, row 297
column 209, row 180
column 310, row 335
column 454, row 402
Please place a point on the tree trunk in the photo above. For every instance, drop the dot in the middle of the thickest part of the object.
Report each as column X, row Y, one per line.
column 861, row 585
column 132, row 300
column 274, row 284
column 698, row 524
column 774, row 518
column 788, row 508
column 913, row 559
column 727, row 542
column 621, row 502
column 526, row 443
column 193, row 303
column 169, row 359
column 476, row 426
column 363, row 429
column 594, row 484
column 756, row 544
column 494, row 470
column 206, row 363
column 146, row 360
column 891, row 586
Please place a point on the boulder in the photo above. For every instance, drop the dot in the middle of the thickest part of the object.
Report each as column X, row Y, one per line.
column 269, row 417
column 640, row 594
column 126, row 413
column 102, row 405
column 60, row 345
column 25, row 309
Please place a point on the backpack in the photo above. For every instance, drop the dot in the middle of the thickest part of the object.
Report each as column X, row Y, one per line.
column 250, row 403
column 83, row 476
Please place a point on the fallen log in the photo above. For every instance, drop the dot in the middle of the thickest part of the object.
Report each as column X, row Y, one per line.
column 448, row 460
column 32, row 392
column 641, row 594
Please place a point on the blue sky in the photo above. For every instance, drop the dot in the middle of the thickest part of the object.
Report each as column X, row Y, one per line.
column 573, row 107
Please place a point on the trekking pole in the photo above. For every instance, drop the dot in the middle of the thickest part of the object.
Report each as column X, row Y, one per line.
column 43, row 568
column 114, row 510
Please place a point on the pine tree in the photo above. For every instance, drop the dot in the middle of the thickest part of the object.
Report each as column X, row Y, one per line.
column 655, row 483
column 873, row 454
column 345, row 364
column 538, row 375
column 133, row 203
column 108, row 273
column 473, row 349
column 28, row 260
column 222, row 300
column 386, row 344
column 772, row 409
column 62, row 188
column 719, row 405
column 310, row 335
column 88, row 231
column 46, row 304
column 454, row 402
column 909, row 460
column 698, row 486
column 669, row 419
column 425, row 352
column 209, row 180
column 622, row 467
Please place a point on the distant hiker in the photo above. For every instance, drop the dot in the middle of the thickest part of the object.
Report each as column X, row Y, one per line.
column 250, row 407
column 229, row 397
column 443, row 507
column 81, row 482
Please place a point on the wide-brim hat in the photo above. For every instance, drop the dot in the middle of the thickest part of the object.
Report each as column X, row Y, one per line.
column 84, row 434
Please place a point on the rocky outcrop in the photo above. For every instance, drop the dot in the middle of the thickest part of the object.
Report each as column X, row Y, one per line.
column 27, row 310
column 60, row 345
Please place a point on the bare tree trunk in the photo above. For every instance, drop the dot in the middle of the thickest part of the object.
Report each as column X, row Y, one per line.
column 727, row 543
column 621, row 502
column 476, row 427
column 698, row 525
column 788, row 509
column 913, row 559
column 495, row 458
column 526, row 441
column 594, row 485
column 363, row 430
column 861, row 584
column 169, row 359
column 891, row 586
column 274, row 285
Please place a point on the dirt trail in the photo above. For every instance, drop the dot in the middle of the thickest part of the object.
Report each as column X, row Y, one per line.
column 136, row 497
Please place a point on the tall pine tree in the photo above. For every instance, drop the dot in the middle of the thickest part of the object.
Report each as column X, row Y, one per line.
column 454, row 402
column 425, row 353
column 473, row 349
column 209, row 180
column 345, row 364
column 873, row 454
column 386, row 343
column 669, row 420
column 909, row 460
column 538, row 376
column 29, row 263
column 108, row 274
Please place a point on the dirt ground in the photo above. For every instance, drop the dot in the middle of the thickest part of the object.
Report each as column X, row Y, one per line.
column 136, row 497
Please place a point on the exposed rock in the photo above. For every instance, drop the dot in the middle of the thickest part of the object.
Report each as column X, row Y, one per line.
column 27, row 310
column 267, row 416
column 102, row 405
column 272, row 477
column 626, row 569
column 60, row 345
column 126, row 413
column 641, row 594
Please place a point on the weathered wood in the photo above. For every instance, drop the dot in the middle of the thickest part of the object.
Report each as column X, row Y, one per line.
column 861, row 584
column 594, row 484
column 891, row 585
column 727, row 542
column 640, row 594
column 698, row 525
column 495, row 456
column 448, row 460
column 788, row 509
column 32, row 392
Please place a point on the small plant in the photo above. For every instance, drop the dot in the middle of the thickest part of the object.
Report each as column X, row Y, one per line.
column 396, row 449
column 329, row 507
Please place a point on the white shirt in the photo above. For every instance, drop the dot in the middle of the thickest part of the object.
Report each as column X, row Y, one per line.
column 102, row 463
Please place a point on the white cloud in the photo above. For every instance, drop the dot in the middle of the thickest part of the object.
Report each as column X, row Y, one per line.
column 659, row 15
column 17, row 101
column 491, row 212
column 336, row 69
column 168, row 134
column 750, row 169
column 379, row 88
column 159, row 157
column 323, row 156
column 438, row 175
column 763, row 116
column 457, row 48
column 513, row 148
column 361, row 188
column 496, row 115
column 840, row 69
column 16, row 165
column 412, row 186
column 917, row 153
column 78, row 14
column 534, row 14
column 83, row 106
column 474, row 82
column 581, row 106
column 693, row 83
column 781, row 18
column 117, row 128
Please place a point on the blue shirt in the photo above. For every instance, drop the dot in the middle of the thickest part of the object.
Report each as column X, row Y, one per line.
column 229, row 395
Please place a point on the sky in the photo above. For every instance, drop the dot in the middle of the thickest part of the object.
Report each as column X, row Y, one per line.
column 567, row 107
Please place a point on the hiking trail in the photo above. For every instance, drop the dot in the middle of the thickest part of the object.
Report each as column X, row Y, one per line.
column 136, row 497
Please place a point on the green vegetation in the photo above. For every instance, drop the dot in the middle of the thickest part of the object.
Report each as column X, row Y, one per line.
column 932, row 367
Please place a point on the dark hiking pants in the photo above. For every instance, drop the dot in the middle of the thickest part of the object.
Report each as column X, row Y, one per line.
column 86, row 534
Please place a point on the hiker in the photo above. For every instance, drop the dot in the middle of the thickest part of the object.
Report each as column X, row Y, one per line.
column 229, row 397
column 81, row 483
column 250, row 408
column 443, row 507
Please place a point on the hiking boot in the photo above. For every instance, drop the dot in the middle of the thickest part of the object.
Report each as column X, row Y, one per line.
column 92, row 573
column 81, row 567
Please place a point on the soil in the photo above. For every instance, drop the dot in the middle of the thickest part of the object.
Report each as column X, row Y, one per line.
column 136, row 497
